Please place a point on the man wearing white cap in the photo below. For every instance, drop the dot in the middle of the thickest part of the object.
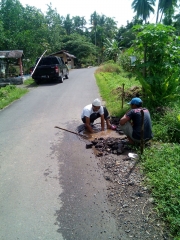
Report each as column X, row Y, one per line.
column 93, row 111
column 131, row 122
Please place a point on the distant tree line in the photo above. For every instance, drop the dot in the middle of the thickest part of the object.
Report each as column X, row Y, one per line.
column 93, row 42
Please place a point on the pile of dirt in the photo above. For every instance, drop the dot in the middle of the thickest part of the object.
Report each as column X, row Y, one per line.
column 134, row 91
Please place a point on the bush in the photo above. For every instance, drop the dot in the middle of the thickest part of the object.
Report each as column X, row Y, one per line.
column 124, row 61
column 166, row 126
column 109, row 66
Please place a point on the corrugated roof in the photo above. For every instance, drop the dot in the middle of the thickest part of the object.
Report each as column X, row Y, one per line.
column 11, row 54
column 63, row 51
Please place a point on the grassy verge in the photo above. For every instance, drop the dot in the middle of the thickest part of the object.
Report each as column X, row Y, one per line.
column 30, row 82
column 111, row 88
column 160, row 163
column 9, row 94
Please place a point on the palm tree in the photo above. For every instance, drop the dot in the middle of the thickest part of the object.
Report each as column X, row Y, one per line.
column 165, row 7
column 94, row 21
column 143, row 8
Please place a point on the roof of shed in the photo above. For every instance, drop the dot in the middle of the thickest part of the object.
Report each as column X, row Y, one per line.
column 63, row 51
column 11, row 54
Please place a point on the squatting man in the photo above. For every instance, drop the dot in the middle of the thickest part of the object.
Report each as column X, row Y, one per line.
column 131, row 122
column 93, row 111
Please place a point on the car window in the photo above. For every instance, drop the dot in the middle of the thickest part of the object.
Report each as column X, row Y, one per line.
column 48, row 61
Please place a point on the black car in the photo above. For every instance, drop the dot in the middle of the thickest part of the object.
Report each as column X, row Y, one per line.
column 49, row 69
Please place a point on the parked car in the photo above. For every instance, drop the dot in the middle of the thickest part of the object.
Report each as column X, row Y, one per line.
column 50, row 69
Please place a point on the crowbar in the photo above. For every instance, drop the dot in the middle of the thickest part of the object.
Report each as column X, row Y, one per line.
column 71, row 132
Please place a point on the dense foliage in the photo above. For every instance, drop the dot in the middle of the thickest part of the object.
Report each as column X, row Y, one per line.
column 157, row 65
column 28, row 29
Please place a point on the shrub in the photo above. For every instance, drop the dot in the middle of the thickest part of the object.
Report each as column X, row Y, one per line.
column 109, row 66
column 166, row 126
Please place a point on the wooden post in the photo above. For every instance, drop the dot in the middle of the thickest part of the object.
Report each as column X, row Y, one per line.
column 142, row 131
column 122, row 95
column 20, row 66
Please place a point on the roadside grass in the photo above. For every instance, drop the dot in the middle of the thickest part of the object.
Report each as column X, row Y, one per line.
column 9, row 94
column 161, row 165
column 30, row 82
column 110, row 86
column 161, row 162
column 166, row 126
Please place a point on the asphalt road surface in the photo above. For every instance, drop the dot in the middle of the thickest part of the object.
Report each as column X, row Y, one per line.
column 50, row 185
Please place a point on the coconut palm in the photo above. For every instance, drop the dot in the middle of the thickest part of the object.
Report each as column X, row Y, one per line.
column 143, row 8
column 165, row 7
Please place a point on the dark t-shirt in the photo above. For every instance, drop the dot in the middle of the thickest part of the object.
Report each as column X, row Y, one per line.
column 135, row 116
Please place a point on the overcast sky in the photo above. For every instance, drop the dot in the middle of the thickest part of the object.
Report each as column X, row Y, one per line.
column 120, row 10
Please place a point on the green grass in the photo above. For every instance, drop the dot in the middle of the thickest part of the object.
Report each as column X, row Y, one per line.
column 161, row 165
column 30, row 82
column 110, row 86
column 166, row 126
column 161, row 162
column 9, row 94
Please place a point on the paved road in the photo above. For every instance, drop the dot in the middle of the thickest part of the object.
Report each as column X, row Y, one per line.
column 50, row 185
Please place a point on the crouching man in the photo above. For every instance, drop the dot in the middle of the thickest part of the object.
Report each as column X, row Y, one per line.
column 93, row 111
column 131, row 122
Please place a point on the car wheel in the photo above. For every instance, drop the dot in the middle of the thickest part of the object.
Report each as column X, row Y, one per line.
column 60, row 79
column 37, row 81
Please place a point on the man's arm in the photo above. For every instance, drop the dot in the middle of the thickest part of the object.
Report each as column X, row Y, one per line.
column 88, row 125
column 124, row 119
column 102, row 122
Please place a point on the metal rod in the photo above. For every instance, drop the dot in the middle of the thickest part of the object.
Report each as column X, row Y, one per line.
column 71, row 132
column 38, row 62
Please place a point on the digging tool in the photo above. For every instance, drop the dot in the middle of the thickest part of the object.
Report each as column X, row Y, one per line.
column 71, row 132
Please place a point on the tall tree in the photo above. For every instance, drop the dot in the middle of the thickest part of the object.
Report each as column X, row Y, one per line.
column 79, row 24
column 55, row 30
column 167, row 8
column 94, row 21
column 143, row 8
column 68, row 24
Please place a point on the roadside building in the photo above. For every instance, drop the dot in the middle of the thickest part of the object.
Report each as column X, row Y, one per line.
column 11, row 69
column 66, row 56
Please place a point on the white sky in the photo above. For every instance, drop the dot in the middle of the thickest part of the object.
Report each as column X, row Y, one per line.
column 120, row 10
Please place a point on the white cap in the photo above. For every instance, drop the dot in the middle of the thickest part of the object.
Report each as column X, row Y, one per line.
column 96, row 102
